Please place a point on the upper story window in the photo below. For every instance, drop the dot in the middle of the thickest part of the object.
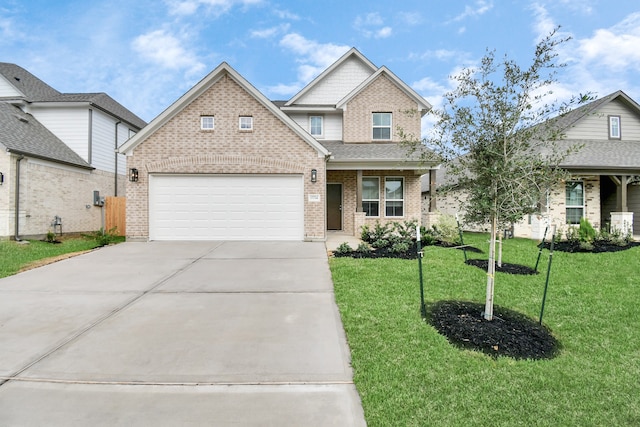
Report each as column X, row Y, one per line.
column 382, row 126
column 246, row 123
column 207, row 122
column 316, row 127
column 614, row 127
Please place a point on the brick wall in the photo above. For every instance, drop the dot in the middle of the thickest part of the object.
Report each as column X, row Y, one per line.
column 180, row 146
column 48, row 189
column 380, row 96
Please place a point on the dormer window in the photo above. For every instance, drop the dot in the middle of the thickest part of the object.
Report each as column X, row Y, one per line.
column 381, row 126
column 316, row 126
column 614, row 127
column 207, row 122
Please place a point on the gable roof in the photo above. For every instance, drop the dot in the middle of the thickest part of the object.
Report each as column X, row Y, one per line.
column 351, row 53
column 31, row 87
column 23, row 134
column 424, row 105
column 34, row 90
column 201, row 87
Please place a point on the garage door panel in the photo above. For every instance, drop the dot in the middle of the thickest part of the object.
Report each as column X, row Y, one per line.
column 246, row 207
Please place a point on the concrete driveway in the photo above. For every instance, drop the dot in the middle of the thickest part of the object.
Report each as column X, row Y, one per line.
column 177, row 333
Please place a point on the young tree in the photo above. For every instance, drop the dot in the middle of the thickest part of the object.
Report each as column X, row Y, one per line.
column 495, row 139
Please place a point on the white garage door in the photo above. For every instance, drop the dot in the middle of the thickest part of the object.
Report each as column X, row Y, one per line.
column 238, row 207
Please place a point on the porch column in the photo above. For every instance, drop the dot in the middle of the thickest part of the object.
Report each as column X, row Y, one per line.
column 432, row 190
column 359, row 191
column 621, row 192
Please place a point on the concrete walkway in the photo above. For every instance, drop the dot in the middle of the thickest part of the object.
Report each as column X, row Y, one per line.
column 177, row 333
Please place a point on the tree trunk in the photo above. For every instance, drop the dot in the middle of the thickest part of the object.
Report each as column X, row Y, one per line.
column 491, row 271
column 501, row 232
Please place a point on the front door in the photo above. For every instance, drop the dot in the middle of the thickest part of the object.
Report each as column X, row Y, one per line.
column 334, row 206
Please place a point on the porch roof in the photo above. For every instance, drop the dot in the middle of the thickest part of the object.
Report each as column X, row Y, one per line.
column 374, row 156
column 602, row 155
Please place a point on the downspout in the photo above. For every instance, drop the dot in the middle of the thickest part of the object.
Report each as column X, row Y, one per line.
column 17, row 225
column 116, row 161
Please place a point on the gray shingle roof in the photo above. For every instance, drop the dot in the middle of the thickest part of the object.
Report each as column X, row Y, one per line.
column 32, row 87
column 21, row 133
column 602, row 154
column 35, row 90
column 369, row 151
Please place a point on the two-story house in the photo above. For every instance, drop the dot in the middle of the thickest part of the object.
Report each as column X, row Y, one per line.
column 224, row 162
column 57, row 151
column 604, row 184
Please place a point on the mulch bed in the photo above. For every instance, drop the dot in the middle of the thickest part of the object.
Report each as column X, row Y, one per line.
column 598, row 247
column 509, row 334
column 410, row 254
column 506, row 267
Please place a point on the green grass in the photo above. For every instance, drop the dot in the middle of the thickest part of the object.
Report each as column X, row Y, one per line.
column 409, row 375
column 14, row 256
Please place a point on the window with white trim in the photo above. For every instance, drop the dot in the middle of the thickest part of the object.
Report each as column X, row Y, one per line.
column 394, row 196
column 574, row 201
column 381, row 126
column 371, row 195
column 614, row 127
column 316, row 127
column 246, row 123
column 207, row 122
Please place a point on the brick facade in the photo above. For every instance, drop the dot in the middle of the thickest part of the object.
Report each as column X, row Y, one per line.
column 48, row 189
column 180, row 146
column 382, row 95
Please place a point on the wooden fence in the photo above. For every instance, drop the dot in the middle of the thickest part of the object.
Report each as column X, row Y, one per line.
column 115, row 215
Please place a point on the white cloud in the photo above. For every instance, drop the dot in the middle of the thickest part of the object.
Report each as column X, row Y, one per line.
column 543, row 23
column 267, row 33
column 615, row 48
column 285, row 14
column 167, row 51
column 410, row 18
column 284, row 90
column 441, row 55
column 480, row 7
column 372, row 25
column 215, row 7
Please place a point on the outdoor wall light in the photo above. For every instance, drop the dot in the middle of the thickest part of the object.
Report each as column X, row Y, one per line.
column 1, row 178
column 314, row 175
column 133, row 175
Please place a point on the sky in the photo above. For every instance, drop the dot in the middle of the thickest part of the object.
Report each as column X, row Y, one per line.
column 148, row 53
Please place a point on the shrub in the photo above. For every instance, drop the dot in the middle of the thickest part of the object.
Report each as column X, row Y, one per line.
column 379, row 232
column 102, row 237
column 586, row 232
column 573, row 236
column 363, row 249
column 343, row 249
column 446, row 230
column 51, row 237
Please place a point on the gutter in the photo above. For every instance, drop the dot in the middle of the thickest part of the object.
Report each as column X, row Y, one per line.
column 17, row 219
column 115, row 186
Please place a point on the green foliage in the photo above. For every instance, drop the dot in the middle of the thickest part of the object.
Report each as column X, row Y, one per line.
column 363, row 249
column 446, row 230
column 50, row 237
column 343, row 249
column 378, row 232
column 427, row 237
column 104, row 238
column 586, row 231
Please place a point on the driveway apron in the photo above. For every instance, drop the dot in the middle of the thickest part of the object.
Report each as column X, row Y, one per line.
column 177, row 333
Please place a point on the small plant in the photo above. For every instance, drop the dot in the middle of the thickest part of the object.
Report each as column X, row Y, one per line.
column 378, row 232
column 51, row 237
column 399, row 248
column 102, row 237
column 343, row 250
column 586, row 232
column 573, row 236
column 363, row 249
column 446, row 230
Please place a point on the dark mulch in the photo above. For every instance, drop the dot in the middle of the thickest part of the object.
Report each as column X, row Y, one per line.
column 506, row 267
column 596, row 247
column 387, row 253
column 510, row 333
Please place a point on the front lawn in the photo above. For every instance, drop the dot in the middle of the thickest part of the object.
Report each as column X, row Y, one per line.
column 16, row 256
column 409, row 375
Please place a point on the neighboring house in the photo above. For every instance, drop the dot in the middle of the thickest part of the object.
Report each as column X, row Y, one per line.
column 225, row 162
column 57, row 149
column 605, row 173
